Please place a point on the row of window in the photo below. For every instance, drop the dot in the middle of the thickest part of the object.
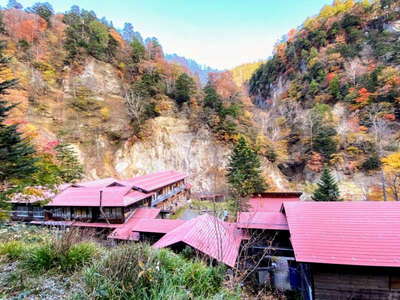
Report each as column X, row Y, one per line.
column 107, row 212
column 23, row 211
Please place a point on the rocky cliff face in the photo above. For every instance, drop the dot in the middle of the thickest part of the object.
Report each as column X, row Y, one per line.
column 102, row 136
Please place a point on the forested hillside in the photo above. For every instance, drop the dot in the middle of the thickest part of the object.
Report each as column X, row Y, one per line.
column 115, row 99
column 332, row 95
column 197, row 70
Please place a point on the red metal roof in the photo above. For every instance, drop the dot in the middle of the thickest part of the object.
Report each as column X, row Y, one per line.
column 209, row 235
column 115, row 192
column 96, row 225
column 151, row 182
column 156, row 225
column 271, row 201
column 90, row 196
column 262, row 220
column 347, row 233
column 52, row 223
column 125, row 231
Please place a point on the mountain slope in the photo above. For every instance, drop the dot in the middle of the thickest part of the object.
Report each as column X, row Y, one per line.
column 81, row 83
column 332, row 93
column 200, row 71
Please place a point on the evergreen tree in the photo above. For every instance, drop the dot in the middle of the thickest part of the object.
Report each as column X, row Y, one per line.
column 334, row 88
column 70, row 169
column 185, row 88
column 16, row 154
column 128, row 32
column 327, row 188
column 138, row 51
column 211, row 98
column 43, row 9
column 244, row 173
column 14, row 4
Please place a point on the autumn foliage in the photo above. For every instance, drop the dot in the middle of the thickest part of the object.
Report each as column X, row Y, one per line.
column 24, row 26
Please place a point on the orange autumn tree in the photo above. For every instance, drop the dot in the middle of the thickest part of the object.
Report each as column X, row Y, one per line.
column 21, row 25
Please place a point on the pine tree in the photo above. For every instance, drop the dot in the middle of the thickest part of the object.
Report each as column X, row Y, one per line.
column 244, row 171
column 138, row 51
column 70, row 169
column 43, row 9
column 185, row 88
column 327, row 189
column 16, row 154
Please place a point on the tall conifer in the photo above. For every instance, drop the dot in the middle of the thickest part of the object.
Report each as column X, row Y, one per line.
column 244, row 173
column 327, row 189
column 16, row 154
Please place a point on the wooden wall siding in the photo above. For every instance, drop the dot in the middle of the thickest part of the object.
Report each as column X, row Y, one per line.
column 346, row 283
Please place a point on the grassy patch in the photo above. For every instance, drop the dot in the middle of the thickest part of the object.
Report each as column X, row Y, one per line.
column 136, row 271
column 71, row 265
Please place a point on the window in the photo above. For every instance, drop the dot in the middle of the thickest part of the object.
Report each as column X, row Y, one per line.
column 22, row 211
column 38, row 212
column 82, row 212
column 62, row 212
column 112, row 212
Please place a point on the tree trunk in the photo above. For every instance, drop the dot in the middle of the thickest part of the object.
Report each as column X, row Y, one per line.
column 383, row 185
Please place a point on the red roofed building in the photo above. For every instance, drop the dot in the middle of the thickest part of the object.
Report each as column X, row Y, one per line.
column 272, row 201
column 126, row 232
column 112, row 201
column 349, row 250
column 209, row 235
column 268, row 230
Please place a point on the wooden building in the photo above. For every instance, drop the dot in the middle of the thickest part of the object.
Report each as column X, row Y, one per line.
column 347, row 250
column 108, row 201
column 268, row 250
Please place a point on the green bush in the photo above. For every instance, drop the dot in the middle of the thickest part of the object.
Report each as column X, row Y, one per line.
column 13, row 249
column 41, row 258
column 79, row 255
column 67, row 253
column 371, row 163
column 136, row 271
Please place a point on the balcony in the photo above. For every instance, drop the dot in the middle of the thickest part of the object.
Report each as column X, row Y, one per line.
column 164, row 197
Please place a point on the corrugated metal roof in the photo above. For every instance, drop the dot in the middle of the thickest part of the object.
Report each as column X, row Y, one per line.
column 348, row 233
column 271, row 201
column 96, row 225
column 151, row 182
column 262, row 220
column 125, row 231
column 115, row 192
column 209, row 235
column 156, row 225
column 90, row 196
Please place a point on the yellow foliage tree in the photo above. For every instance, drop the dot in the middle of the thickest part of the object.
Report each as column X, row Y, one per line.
column 391, row 167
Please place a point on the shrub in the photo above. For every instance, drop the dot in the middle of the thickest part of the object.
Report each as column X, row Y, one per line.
column 67, row 252
column 13, row 249
column 42, row 258
column 79, row 255
column 136, row 271
column 371, row 163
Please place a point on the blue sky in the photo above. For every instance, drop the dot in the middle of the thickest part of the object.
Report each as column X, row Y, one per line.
column 218, row 33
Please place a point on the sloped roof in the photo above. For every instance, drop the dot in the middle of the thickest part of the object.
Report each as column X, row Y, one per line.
column 125, row 232
column 115, row 192
column 156, row 225
column 363, row 233
column 209, row 235
column 151, row 182
column 271, row 201
column 262, row 220
column 90, row 196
